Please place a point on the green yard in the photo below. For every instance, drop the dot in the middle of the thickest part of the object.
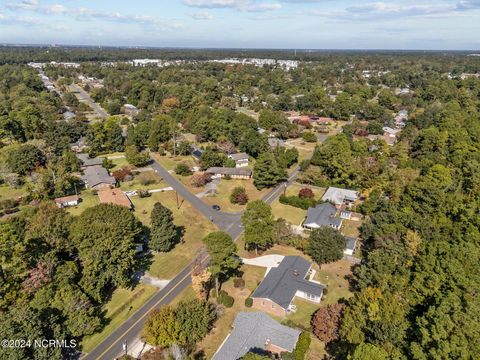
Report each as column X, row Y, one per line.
column 196, row 227
column 88, row 199
column 120, row 307
column 6, row 192
column 146, row 180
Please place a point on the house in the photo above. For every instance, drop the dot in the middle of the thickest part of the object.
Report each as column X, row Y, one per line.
column 130, row 109
column 322, row 215
column 87, row 161
column 290, row 279
column 241, row 159
column 351, row 244
column 79, row 145
column 340, row 196
column 114, row 196
column 257, row 332
column 197, row 153
column 97, row 177
column 275, row 142
column 234, row 173
column 67, row 201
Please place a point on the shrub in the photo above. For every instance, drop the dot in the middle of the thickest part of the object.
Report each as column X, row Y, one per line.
column 182, row 169
column 297, row 202
column 148, row 178
column 238, row 282
column 239, row 196
column 306, row 193
column 144, row 193
column 249, row 302
column 225, row 299
column 309, row 136
column 303, row 344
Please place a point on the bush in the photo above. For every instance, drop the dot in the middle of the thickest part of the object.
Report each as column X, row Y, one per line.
column 297, row 202
column 249, row 302
column 225, row 299
column 303, row 344
column 148, row 178
column 238, row 283
column 144, row 193
column 239, row 196
column 309, row 137
column 182, row 169
column 122, row 174
column 306, row 193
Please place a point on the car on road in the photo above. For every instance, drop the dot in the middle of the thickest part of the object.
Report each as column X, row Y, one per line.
column 216, row 207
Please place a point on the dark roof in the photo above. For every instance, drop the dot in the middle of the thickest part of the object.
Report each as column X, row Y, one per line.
column 95, row 175
column 282, row 282
column 322, row 215
column 252, row 330
column 229, row 171
column 87, row 161
column 351, row 242
column 197, row 153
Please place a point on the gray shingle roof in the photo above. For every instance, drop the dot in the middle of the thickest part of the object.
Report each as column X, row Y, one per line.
column 251, row 330
column 87, row 161
column 338, row 195
column 322, row 215
column 238, row 156
column 229, row 171
column 351, row 242
column 94, row 175
column 282, row 282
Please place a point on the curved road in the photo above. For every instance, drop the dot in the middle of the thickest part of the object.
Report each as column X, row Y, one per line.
column 130, row 330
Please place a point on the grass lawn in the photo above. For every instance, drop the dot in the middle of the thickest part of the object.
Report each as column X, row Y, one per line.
column 351, row 228
column 122, row 305
column 166, row 265
column 169, row 162
column 334, row 276
column 224, row 189
column 293, row 214
column 305, row 149
column 88, row 200
column 119, row 163
column 136, row 183
column 252, row 275
column 316, row 350
column 6, row 192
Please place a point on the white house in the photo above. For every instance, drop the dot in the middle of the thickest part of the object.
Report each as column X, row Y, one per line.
column 67, row 201
column 241, row 159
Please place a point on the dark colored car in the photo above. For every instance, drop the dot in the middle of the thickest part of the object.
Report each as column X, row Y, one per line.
column 216, row 207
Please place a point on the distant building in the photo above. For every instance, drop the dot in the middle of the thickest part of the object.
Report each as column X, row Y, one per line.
column 241, row 159
column 130, row 109
column 340, row 196
column 79, row 145
column 324, row 214
column 258, row 332
column 97, row 177
column 114, row 196
column 197, row 153
column 275, row 142
column 290, row 279
column 67, row 201
column 234, row 173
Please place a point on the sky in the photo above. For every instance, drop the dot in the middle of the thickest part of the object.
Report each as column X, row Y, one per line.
column 301, row 24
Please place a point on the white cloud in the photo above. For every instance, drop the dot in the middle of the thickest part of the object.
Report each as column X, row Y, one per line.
column 202, row 15
column 241, row 5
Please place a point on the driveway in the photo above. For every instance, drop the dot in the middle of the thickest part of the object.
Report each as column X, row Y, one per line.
column 267, row 261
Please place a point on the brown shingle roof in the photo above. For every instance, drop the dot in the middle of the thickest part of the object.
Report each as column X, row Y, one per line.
column 114, row 196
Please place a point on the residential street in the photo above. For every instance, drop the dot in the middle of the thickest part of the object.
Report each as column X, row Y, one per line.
column 85, row 97
column 129, row 331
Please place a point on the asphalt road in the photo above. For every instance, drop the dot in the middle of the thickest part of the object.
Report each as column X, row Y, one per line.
column 83, row 95
column 130, row 330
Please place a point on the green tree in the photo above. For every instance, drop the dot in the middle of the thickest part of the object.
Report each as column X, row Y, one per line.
column 135, row 157
column 105, row 236
column 267, row 172
column 326, row 245
column 163, row 232
column 161, row 130
column 195, row 318
column 223, row 254
column 24, row 159
column 162, row 328
column 367, row 351
column 258, row 224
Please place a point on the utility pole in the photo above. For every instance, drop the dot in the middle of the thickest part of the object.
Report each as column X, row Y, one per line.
column 176, row 195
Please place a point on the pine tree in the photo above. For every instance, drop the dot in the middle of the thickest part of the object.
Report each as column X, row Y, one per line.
column 267, row 172
column 163, row 232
